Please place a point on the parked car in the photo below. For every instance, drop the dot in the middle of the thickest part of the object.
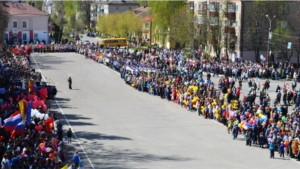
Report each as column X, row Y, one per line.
column 88, row 34
column 85, row 42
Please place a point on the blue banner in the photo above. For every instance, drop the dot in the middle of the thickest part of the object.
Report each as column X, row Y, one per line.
column 28, row 114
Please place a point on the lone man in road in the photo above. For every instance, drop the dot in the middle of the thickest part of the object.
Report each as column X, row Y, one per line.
column 70, row 82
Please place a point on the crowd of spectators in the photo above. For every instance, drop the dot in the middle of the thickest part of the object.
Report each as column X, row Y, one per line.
column 39, row 145
column 173, row 76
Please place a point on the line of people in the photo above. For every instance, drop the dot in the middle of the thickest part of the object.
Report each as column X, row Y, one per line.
column 36, row 141
column 171, row 76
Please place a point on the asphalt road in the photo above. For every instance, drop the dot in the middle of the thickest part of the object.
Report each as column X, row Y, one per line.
column 121, row 128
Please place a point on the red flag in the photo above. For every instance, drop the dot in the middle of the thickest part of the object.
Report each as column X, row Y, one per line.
column 15, row 113
column 14, row 50
column 49, row 124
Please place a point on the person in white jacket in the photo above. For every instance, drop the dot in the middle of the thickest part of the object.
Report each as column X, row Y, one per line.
column 5, row 163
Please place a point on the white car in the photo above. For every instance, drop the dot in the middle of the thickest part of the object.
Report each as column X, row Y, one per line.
column 85, row 42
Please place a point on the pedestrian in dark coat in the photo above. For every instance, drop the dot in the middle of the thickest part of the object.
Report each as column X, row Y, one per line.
column 70, row 82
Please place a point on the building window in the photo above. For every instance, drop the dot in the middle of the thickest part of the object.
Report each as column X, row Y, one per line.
column 146, row 25
column 15, row 24
column 24, row 37
column 36, row 36
column 259, row 24
column 24, row 25
column 117, row 8
column 6, row 36
column 259, row 40
column 129, row 8
column 285, row 9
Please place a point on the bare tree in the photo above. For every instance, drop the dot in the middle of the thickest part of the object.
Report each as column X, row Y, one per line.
column 216, row 27
column 203, row 24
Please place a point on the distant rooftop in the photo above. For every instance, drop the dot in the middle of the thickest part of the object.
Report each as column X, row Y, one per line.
column 23, row 9
column 141, row 9
column 110, row 2
column 148, row 18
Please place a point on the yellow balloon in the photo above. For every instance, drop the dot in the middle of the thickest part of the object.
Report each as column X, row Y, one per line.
column 260, row 115
column 240, row 125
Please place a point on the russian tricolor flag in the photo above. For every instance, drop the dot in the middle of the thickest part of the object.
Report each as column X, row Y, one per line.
column 11, row 122
column 19, row 129
column 36, row 89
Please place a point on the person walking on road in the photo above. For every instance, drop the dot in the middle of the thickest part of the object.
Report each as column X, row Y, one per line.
column 69, row 135
column 70, row 82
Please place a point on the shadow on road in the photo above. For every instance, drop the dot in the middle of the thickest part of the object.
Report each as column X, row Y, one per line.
column 99, row 136
column 114, row 158
column 45, row 60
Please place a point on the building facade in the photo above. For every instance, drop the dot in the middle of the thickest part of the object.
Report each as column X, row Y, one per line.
column 233, row 16
column 26, row 24
column 224, row 16
column 102, row 7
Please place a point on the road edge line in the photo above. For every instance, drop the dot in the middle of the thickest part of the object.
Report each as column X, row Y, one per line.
column 62, row 112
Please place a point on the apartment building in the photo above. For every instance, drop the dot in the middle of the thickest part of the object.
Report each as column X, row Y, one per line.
column 100, row 7
column 224, row 16
column 233, row 18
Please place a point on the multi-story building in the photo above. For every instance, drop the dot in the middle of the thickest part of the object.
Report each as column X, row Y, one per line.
column 101, row 7
column 26, row 24
column 232, row 18
column 224, row 16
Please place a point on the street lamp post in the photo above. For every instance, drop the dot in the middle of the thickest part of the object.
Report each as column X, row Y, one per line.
column 269, row 37
column 192, row 27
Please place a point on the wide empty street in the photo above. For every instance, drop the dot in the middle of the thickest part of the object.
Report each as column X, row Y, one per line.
column 121, row 128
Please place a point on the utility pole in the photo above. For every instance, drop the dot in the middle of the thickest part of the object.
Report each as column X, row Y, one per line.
column 192, row 29
column 269, row 37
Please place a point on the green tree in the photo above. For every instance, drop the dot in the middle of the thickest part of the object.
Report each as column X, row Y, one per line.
column 4, row 21
column 202, row 33
column 123, row 24
column 58, row 20
column 85, row 12
column 281, row 38
column 182, row 23
column 74, row 15
column 36, row 3
column 216, row 28
column 163, row 12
